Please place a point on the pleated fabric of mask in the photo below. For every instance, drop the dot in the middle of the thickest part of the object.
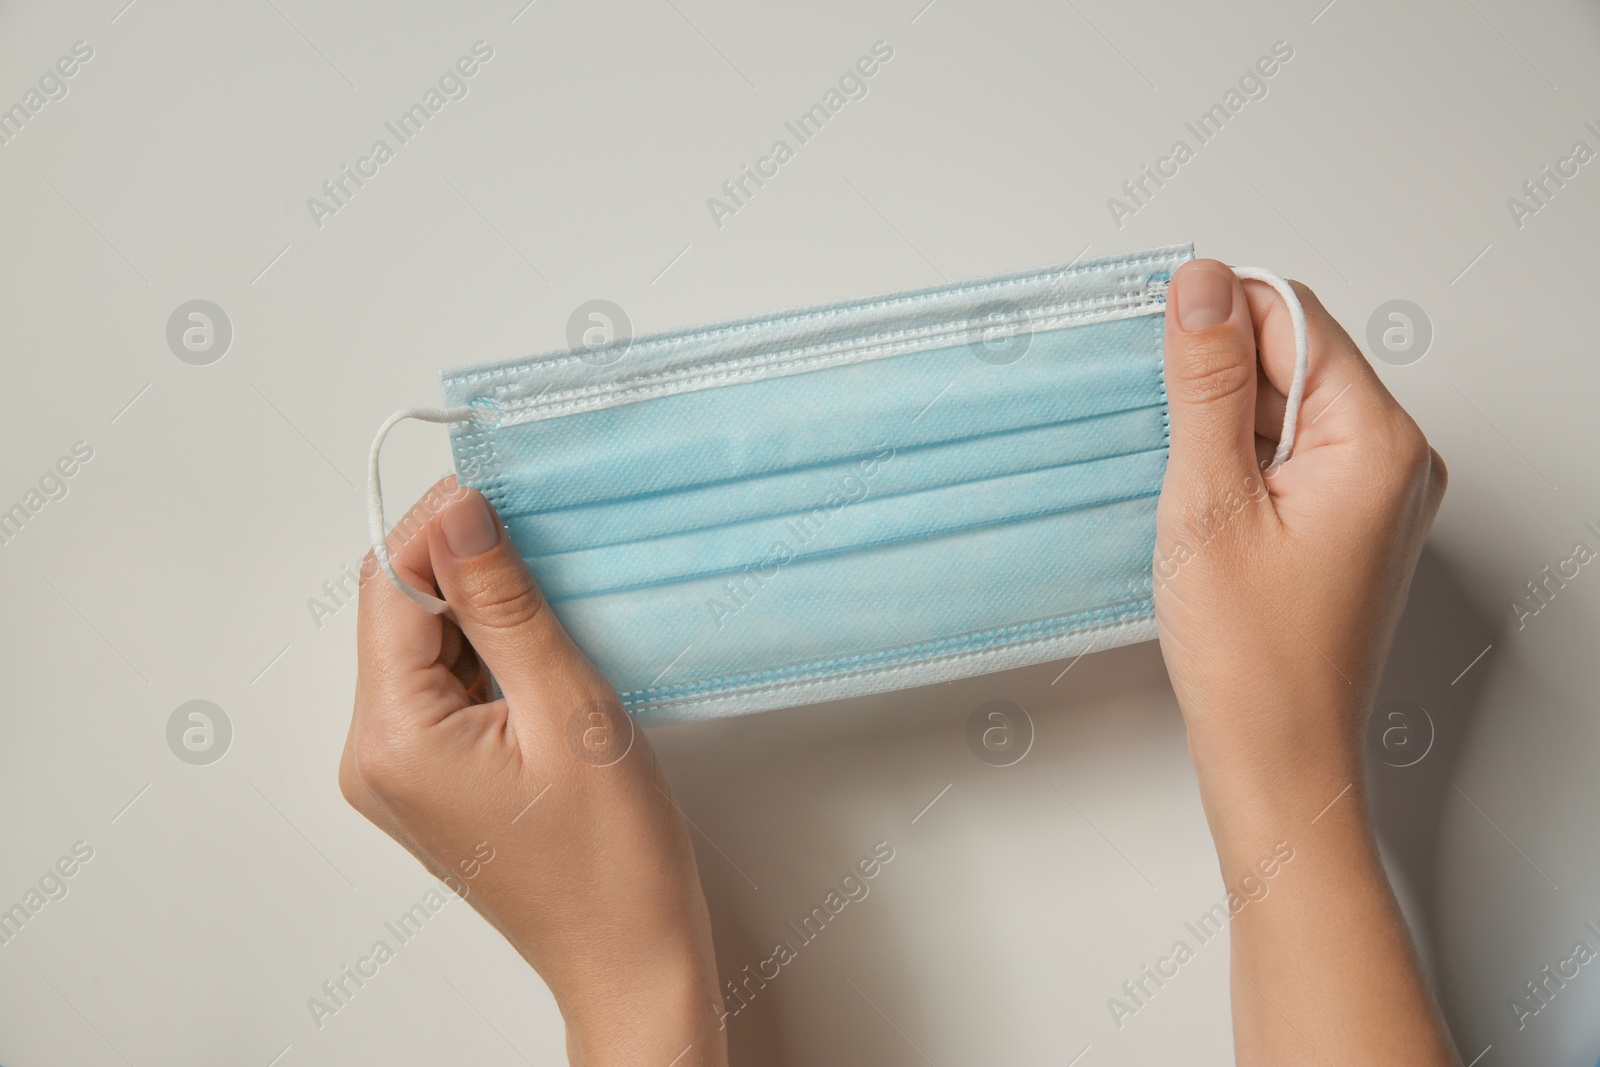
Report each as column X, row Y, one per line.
column 839, row 500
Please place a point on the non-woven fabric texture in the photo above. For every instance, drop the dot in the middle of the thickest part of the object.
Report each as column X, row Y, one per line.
column 841, row 500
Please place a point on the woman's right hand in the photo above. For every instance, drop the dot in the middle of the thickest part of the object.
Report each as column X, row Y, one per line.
column 1278, row 591
column 1277, row 595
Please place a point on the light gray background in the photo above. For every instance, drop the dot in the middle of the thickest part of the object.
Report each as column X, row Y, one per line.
column 180, row 564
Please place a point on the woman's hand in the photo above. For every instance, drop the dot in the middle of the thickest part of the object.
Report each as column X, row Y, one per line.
column 1278, row 591
column 1277, row 594
column 544, row 805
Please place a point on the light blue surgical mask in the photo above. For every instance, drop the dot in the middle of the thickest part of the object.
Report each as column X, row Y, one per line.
column 839, row 500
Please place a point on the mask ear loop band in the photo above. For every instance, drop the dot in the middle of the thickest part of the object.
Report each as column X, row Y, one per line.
column 376, row 526
column 1302, row 357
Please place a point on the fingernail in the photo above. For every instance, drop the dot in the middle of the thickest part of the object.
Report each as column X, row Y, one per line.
column 470, row 528
column 1205, row 297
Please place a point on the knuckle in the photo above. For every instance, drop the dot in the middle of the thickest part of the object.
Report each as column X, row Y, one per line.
column 1411, row 452
column 375, row 768
column 1213, row 370
column 351, row 786
column 1438, row 472
column 506, row 602
column 1403, row 459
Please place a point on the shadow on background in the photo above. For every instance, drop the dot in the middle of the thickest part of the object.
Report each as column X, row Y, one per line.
column 1424, row 715
column 791, row 795
column 781, row 803
column 787, row 798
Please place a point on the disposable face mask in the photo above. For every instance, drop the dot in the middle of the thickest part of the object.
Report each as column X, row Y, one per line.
column 840, row 500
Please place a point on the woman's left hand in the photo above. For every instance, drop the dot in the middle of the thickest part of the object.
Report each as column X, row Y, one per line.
column 544, row 807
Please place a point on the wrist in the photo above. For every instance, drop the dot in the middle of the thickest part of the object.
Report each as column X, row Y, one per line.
column 1284, row 783
column 1279, row 750
column 657, row 1012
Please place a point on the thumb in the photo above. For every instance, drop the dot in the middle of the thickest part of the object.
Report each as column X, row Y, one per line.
column 1211, row 379
column 501, row 610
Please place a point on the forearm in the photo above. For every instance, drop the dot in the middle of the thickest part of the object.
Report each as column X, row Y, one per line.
column 1323, row 967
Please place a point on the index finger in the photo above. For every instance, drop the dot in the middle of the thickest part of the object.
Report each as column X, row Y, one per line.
column 1338, row 377
column 398, row 642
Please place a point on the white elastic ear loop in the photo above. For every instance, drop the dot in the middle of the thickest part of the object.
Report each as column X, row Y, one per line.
column 376, row 526
column 1302, row 357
